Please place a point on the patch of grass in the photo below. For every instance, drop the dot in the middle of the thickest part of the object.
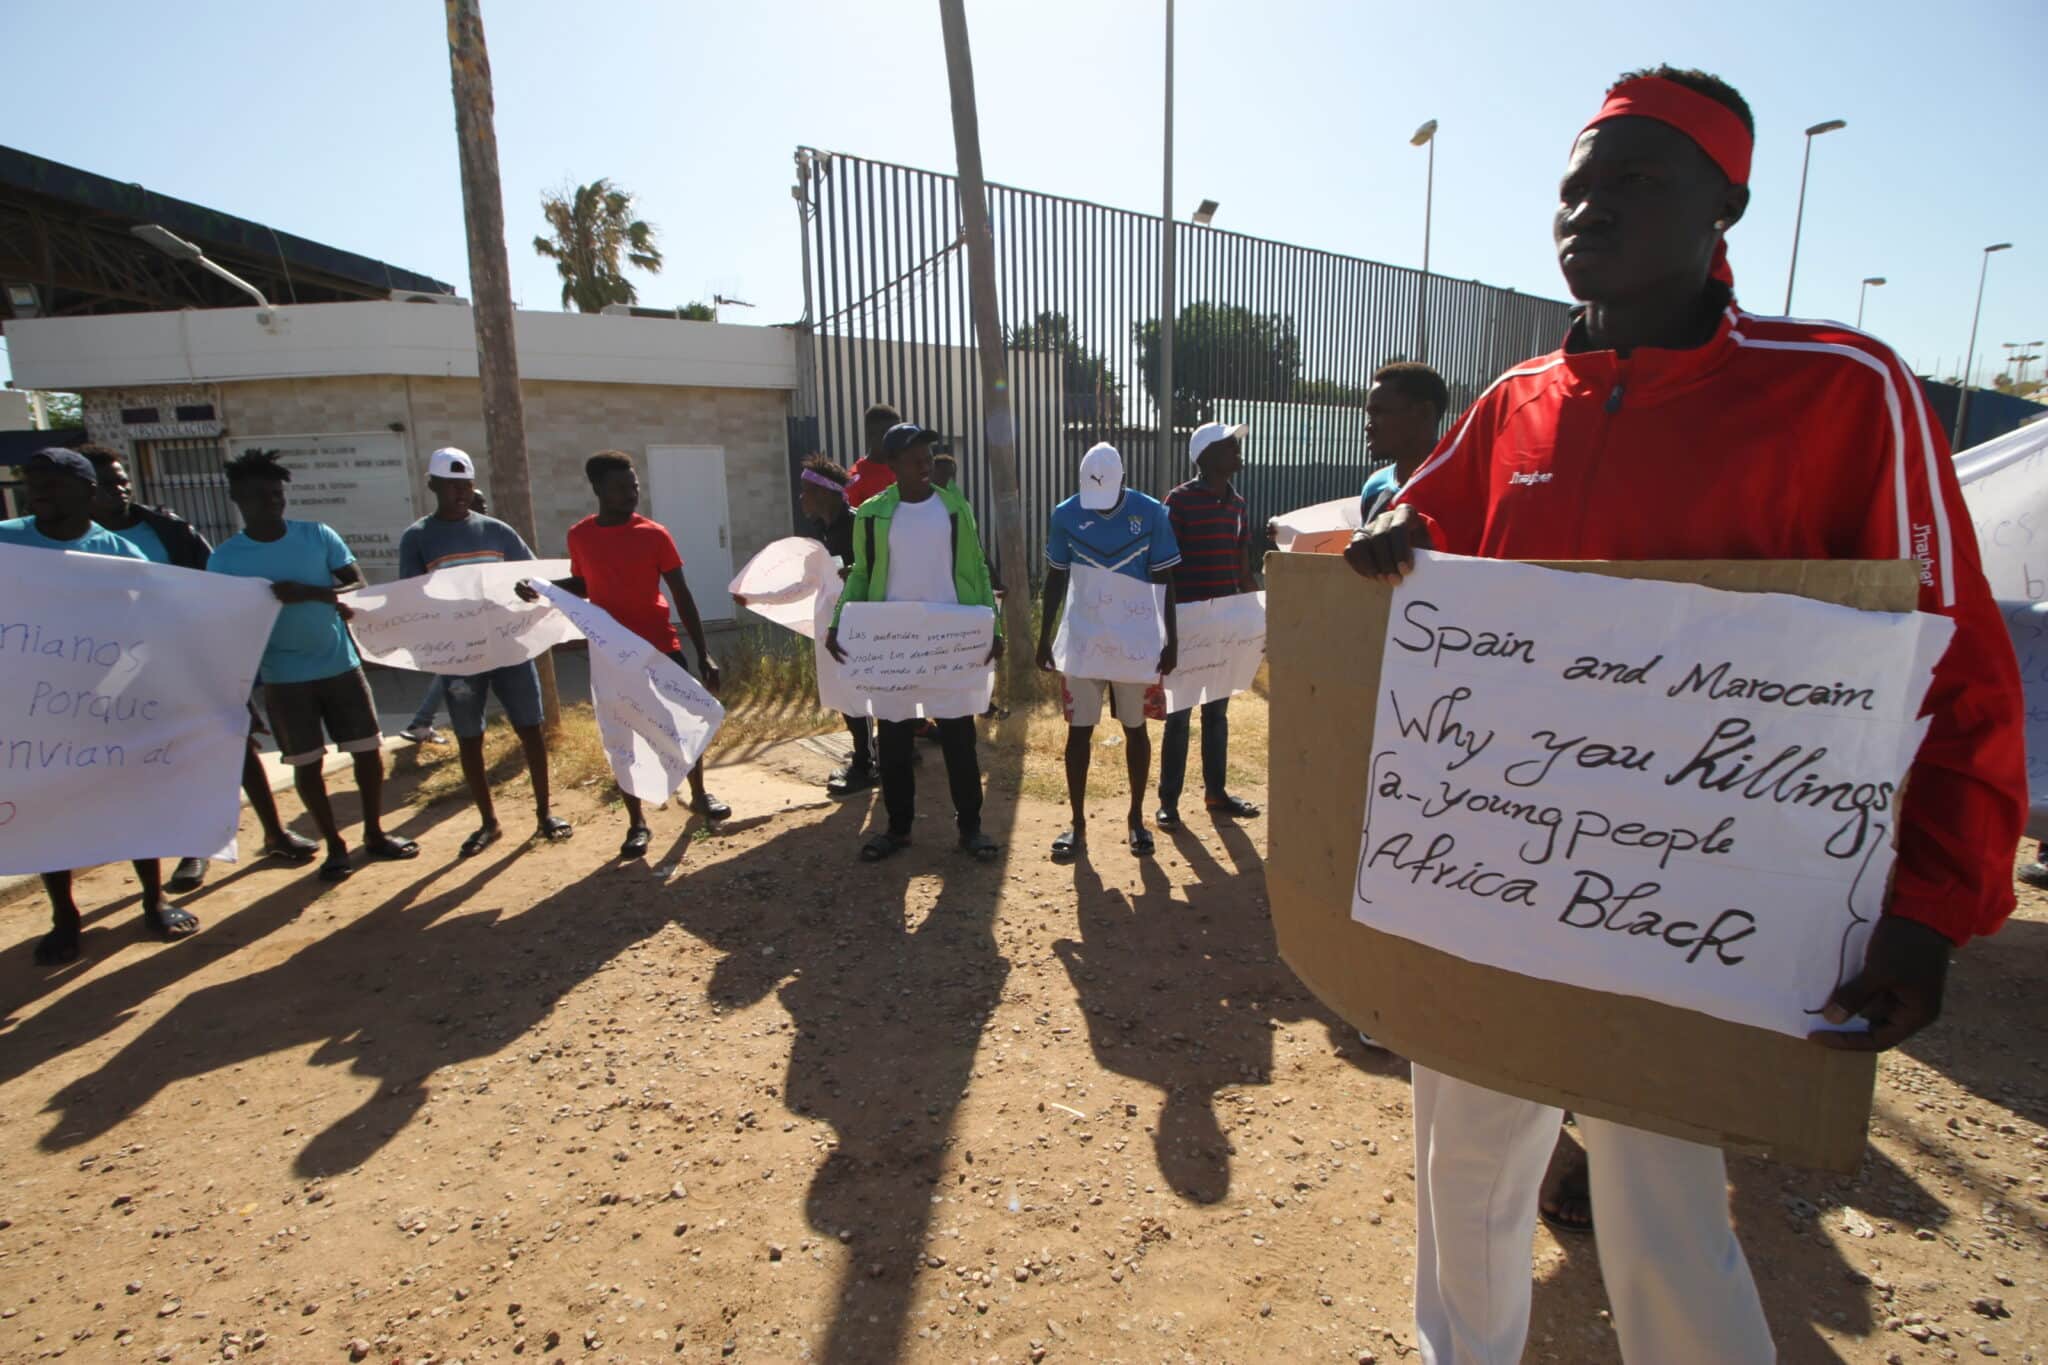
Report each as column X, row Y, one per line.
column 576, row 758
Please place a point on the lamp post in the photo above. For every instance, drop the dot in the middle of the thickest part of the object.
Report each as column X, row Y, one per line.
column 1205, row 213
column 1955, row 438
column 1799, row 220
column 178, row 249
column 1425, row 136
column 1160, row 474
column 1863, row 293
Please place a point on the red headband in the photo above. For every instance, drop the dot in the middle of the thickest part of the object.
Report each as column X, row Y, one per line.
column 1715, row 128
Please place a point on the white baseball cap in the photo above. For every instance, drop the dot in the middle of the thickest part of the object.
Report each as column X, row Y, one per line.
column 1209, row 433
column 1102, row 477
column 450, row 463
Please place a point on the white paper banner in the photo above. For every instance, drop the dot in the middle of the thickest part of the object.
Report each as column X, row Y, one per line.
column 123, row 708
column 788, row 581
column 654, row 718
column 906, row 660
column 1222, row 642
column 460, row 621
column 2005, row 485
column 1655, row 789
column 1324, row 528
column 1112, row 629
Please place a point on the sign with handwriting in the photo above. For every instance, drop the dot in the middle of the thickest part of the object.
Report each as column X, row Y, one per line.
column 790, row 581
column 909, row 659
column 1112, row 628
column 461, row 620
column 1655, row 789
column 2005, row 488
column 1222, row 644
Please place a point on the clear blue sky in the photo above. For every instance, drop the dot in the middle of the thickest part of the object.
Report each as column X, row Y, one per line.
column 335, row 122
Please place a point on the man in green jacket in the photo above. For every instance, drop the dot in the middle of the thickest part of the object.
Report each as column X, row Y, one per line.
column 916, row 542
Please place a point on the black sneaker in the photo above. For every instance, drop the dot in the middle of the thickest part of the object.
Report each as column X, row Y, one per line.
column 854, row 777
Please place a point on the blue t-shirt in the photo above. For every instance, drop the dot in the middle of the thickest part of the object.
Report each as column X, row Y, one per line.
column 431, row 543
column 97, row 540
column 1382, row 480
column 309, row 641
column 1133, row 538
column 143, row 537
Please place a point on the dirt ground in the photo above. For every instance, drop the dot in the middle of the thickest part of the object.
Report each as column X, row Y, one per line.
column 752, row 1100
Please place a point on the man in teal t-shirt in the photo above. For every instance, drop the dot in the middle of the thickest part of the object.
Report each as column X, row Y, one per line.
column 313, row 681
column 60, row 491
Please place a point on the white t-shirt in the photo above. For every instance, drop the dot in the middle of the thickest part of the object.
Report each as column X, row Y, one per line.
column 921, row 553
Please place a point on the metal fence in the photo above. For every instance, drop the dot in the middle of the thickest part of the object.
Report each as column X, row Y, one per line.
column 1283, row 337
column 188, row 477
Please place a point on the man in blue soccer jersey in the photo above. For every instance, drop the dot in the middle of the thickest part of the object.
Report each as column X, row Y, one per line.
column 1118, row 530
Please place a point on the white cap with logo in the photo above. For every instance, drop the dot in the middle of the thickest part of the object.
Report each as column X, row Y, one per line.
column 1102, row 477
column 1209, row 433
column 450, row 463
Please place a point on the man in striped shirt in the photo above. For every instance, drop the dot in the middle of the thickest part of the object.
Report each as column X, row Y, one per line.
column 1212, row 526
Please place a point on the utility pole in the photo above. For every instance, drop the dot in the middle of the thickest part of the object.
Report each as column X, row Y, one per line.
column 1162, row 472
column 490, row 287
column 999, row 425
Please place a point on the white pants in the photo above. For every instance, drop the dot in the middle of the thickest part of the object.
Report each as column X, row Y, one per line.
column 1679, row 1287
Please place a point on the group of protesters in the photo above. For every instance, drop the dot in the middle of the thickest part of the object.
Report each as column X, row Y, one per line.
column 1671, row 424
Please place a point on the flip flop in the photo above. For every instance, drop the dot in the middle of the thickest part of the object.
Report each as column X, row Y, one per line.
column 1069, row 846
column 57, row 947
column 882, row 846
column 337, row 868
column 1566, row 1204
column 637, row 840
column 481, row 840
column 980, row 845
column 711, row 808
column 169, row 923
column 554, row 829
column 187, row 876
column 1140, row 840
column 295, row 849
column 393, row 850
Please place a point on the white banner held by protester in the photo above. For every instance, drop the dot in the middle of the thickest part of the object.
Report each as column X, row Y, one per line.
column 1324, row 528
column 2005, row 486
column 654, row 718
column 1112, row 629
column 1653, row 789
column 1222, row 644
column 787, row 582
column 906, row 660
column 460, row 621
column 123, row 708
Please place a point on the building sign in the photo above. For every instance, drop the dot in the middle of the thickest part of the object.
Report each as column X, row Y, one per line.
column 359, row 484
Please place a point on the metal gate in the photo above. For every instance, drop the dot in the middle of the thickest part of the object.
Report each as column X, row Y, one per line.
column 1283, row 337
column 187, row 476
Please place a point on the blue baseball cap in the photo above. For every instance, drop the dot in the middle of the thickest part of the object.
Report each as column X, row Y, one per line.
column 904, row 435
column 62, row 460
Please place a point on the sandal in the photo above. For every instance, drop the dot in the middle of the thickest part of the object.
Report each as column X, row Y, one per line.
column 980, row 845
column 637, row 840
column 58, row 947
column 554, row 829
column 169, row 923
column 1141, row 840
column 1567, row 1200
column 187, row 875
column 1235, row 807
column 481, row 840
column 292, row 848
column 882, row 846
column 392, row 850
column 337, row 868
column 711, row 808
column 1069, row 846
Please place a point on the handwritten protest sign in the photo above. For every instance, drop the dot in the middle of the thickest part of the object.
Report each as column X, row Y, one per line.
column 1112, row 629
column 654, row 718
column 459, row 621
column 2005, row 486
column 909, row 659
column 123, row 708
column 1653, row 789
column 789, row 582
column 1324, row 528
column 1222, row 643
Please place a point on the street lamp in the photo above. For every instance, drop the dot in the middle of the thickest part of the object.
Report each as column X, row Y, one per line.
column 178, row 249
column 1205, row 213
column 1799, row 220
column 1425, row 136
column 1861, row 294
column 1955, row 439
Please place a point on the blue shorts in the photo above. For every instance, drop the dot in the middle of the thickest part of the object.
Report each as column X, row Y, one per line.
column 518, row 689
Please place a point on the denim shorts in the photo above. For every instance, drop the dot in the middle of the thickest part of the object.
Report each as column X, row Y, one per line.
column 518, row 689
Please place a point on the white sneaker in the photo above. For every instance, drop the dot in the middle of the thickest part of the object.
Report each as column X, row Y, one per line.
column 423, row 734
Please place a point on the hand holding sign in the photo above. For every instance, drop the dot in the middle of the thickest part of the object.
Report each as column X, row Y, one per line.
column 899, row 660
column 458, row 621
column 1113, row 629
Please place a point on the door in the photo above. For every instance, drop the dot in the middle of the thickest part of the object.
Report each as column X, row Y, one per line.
column 686, row 493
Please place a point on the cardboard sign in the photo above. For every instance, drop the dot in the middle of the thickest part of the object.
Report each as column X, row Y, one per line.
column 1649, row 788
column 1619, row 1057
column 459, row 621
column 1222, row 644
column 1112, row 628
column 123, row 713
column 654, row 718
column 1323, row 529
column 906, row 660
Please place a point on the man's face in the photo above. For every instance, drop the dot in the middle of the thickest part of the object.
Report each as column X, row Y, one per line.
column 111, row 499
column 454, row 498
column 1636, row 210
column 476, row 500
column 58, row 497
column 819, row 505
column 1221, row 460
column 618, row 492
column 1397, row 426
column 260, row 501
column 913, row 468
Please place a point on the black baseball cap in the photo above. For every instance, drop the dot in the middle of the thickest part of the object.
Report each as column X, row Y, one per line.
column 62, row 460
column 904, row 435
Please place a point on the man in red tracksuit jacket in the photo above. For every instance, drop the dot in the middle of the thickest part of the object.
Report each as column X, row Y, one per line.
column 1674, row 425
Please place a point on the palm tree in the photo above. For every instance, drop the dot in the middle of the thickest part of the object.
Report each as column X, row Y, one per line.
column 593, row 225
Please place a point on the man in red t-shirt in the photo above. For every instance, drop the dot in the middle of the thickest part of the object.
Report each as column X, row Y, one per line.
column 620, row 560
column 870, row 473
